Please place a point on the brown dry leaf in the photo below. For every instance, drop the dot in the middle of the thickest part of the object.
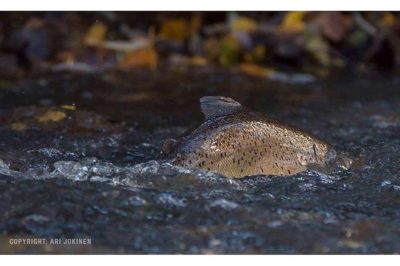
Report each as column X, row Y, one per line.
column 51, row 116
column 255, row 70
column 334, row 25
column 18, row 126
column 179, row 29
column 174, row 29
column 293, row 21
column 145, row 57
column 211, row 48
column 244, row 24
column 96, row 34
column 198, row 61
column 388, row 19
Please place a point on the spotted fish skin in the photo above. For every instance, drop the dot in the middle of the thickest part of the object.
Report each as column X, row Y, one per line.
column 238, row 143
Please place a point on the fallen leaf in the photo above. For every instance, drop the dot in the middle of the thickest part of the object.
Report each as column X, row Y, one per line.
column 243, row 24
column 255, row 70
column 198, row 61
column 229, row 52
column 334, row 25
column 68, row 107
column 179, row 29
column 353, row 244
column 96, row 34
column 256, row 55
column 174, row 29
column 51, row 116
column 319, row 49
column 18, row 126
column 145, row 57
column 125, row 46
column 293, row 21
column 388, row 19
column 271, row 74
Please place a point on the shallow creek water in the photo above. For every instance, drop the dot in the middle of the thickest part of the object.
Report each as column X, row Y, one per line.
column 95, row 174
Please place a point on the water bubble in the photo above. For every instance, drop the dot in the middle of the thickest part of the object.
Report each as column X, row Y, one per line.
column 49, row 152
column 136, row 201
column 379, row 121
column 268, row 195
column 150, row 167
column 72, row 170
column 168, row 199
column 323, row 178
column 274, row 224
column 307, row 187
column 99, row 179
column 36, row 218
column 3, row 165
column 224, row 204
column 396, row 187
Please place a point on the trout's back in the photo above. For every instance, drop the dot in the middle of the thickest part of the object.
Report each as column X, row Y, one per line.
column 237, row 143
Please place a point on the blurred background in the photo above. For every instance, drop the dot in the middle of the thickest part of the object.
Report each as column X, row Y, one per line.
column 288, row 46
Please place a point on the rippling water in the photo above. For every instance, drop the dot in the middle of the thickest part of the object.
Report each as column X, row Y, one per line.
column 96, row 174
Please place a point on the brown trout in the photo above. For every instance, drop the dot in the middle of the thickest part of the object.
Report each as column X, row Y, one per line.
column 237, row 143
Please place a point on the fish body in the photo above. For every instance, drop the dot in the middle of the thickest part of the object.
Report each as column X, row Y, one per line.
column 236, row 143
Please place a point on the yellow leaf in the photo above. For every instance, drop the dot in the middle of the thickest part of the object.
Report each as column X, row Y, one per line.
column 96, row 34
column 244, row 24
column 179, row 29
column 255, row 70
column 146, row 57
column 174, row 29
column 319, row 49
column 293, row 21
column 53, row 116
column 69, row 107
column 18, row 126
column 256, row 55
column 388, row 19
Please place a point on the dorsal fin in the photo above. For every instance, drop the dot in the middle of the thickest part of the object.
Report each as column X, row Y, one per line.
column 214, row 106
